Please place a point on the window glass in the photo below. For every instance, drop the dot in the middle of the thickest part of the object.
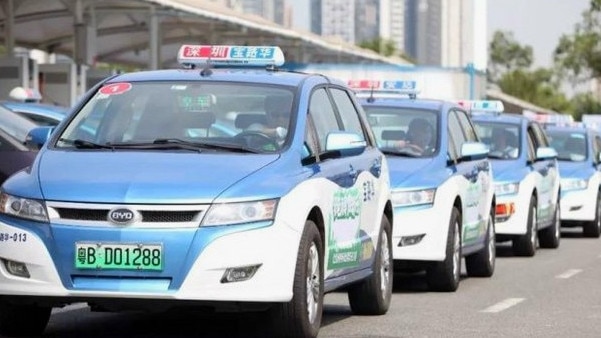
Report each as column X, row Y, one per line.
column 410, row 131
column 502, row 138
column 348, row 112
column 233, row 114
column 323, row 115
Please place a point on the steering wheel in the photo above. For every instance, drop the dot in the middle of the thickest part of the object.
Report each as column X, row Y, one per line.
column 257, row 140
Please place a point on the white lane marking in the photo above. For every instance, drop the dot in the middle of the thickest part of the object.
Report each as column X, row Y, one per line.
column 503, row 305
column 569, row 273
column 72, row 307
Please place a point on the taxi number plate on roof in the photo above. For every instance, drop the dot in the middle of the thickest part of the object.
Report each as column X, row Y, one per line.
column 117, row 256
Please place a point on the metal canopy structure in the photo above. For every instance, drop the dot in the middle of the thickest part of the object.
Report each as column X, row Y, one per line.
column 147, row 33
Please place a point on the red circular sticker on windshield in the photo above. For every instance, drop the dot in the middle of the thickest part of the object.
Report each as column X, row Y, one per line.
column 115, row 88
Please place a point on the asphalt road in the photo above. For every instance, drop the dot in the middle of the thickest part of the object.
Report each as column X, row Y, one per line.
column 556, row 293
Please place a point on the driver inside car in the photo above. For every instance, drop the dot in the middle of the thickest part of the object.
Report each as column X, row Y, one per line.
column 277, row 115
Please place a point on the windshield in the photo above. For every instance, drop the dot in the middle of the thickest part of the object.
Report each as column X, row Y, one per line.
column 183, row 115
column 502, row 139
column 404, row 131
column 570, row 145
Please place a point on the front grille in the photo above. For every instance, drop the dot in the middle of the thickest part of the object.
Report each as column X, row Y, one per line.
column 88, row 214
column 147, row 216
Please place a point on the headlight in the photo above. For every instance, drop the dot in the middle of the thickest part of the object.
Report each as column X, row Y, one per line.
column 507, row 188
column 23, row 207
column 413, row 198
column 236, row 213
column 573, row 184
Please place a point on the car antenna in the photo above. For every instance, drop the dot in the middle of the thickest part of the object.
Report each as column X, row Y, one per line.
column 371, row 97
column 206, row 69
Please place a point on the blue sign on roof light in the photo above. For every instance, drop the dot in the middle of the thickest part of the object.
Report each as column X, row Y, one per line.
column 230, row 55
column 399, row 85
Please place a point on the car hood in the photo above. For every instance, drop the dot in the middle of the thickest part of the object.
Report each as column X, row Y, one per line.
column 409, row 172
column 568, row 169
column 142, row 177
column 508, row 170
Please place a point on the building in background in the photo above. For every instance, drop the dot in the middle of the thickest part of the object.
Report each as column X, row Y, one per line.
column 446, row 33
column 277, row 11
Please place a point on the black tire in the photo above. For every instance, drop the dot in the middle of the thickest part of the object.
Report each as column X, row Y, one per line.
column 372, row 295
column 23, row 320
column 482, row 263
column 550, row 237
column 593, row 228
column 444, row 276
column 293, row 319
column 525, row 245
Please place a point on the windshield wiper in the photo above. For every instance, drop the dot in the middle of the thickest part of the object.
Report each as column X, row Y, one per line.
column 205, row 145
column 175, row 143
column 83, row 144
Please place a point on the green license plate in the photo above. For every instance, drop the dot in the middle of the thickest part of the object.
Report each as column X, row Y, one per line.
column 119, row 256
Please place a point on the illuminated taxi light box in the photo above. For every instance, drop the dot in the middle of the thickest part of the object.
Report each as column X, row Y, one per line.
column 230, row 55
column 364, row 84
column 492, row 106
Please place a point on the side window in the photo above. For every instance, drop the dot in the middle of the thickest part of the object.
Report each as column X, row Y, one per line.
column 322, row 113
column 540, row 135
column 597, row 147
column 467, row 126
column 348, row 111
column 456, row 136
column 531, row 146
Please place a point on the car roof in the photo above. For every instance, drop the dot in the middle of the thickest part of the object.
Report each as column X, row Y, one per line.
column 255, row 75
column 499, row 118
column 431, row 104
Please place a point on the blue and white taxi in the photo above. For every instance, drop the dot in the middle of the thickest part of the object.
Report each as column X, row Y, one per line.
column 526, row 178
column 441, row 183
column 136, row 200
column 579, row 159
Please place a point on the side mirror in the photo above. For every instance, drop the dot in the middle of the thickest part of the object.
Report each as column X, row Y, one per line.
column 474, row 150
column 37, row 137
column 347, row 143
column 545, row 153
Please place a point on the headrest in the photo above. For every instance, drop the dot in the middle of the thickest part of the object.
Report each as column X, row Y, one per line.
column 278, row 104
column 243, row 121
column 388, row 135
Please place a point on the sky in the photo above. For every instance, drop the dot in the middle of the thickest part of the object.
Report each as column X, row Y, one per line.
column 536, row 23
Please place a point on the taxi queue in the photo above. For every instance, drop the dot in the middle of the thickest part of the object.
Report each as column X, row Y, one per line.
column 317, row 181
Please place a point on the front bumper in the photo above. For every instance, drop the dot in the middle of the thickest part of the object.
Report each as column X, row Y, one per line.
column 201, row 280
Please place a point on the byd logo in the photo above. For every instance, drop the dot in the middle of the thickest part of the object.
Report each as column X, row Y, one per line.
column 121, row 216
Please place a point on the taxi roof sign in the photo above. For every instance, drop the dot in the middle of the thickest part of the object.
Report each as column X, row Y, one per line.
column 492, row 106
column 230, row 55
column 406, row 87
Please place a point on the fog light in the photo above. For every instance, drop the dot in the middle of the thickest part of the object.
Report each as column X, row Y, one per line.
column 16, row 268
column 411, row 240
column 239, row 274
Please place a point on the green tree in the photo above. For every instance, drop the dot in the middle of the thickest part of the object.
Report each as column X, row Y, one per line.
column 538, row 87
column 585, row 103
column 510, row 69
column 578, row 56
column 379, row 45
column 507, row 55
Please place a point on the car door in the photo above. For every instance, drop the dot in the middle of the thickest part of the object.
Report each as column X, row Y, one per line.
column 548, row 176
column 473, row 190
column 350, row 233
